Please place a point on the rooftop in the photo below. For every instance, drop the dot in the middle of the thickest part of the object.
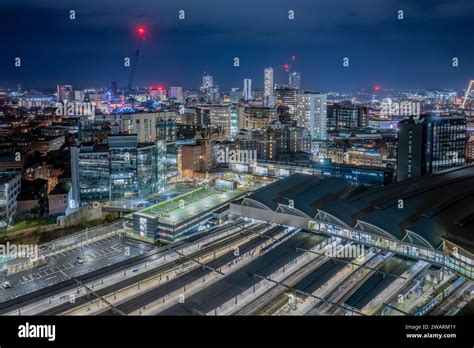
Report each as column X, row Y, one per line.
column 435, row 207
column 189, row 205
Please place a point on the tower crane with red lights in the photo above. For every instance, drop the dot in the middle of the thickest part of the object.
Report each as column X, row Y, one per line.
column 141, row 31
column 288, row 66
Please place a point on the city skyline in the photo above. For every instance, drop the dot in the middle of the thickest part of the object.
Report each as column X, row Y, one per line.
column 382, row 49
column 209, row 158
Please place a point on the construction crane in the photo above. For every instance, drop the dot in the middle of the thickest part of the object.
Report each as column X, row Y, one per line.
column 468, row 94
column 142, row 35
column 287, row 66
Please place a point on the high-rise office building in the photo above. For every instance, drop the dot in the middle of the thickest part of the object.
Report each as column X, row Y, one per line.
column 214, row 95
column 312, row 114
column 247, row 89
column 268, row 82
column 207, row 81
column 122, row 168
column 114, row 88
column 286, row 97
column 209, row 92
column 344, row 117
column 268, row 92
column 430, row 144
column 235, row 95
column 294, row 80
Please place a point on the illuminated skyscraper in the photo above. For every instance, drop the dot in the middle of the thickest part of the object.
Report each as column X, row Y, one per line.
column 247, row 89
column 286, row 98
column 268, row 83
column 295, row 80
column 207, row 81
column 208, row 90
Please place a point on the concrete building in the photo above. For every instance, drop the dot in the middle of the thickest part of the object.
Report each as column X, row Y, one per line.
column 363, row 156
column 258, row 117
column 180, row 217
column 176, row 93
column 312, row 114
column 346, row 117
column 59, row 198
column 225, row 117
column 195, row 158
column 235, row 95
column 274, row 141
column 10, row 187
column 268, row 93
column 148, row 126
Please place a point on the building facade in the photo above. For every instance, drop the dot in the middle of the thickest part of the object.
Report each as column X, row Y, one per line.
column 10, row 187
column 430, row 144
column 124, row 168
column 312, row 114
column 247, row 89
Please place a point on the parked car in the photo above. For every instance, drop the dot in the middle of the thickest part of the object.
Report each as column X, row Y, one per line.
column 7, row 285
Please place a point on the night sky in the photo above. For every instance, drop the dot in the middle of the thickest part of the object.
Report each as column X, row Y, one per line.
column 415, row 52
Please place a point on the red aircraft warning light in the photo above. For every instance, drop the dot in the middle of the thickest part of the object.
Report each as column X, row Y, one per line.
column 377, row 88
column 141, row 31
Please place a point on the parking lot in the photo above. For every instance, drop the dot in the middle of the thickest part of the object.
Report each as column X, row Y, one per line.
column 60, row 266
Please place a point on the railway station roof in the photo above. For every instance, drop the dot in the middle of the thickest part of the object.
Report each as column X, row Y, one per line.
column 428, row 208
